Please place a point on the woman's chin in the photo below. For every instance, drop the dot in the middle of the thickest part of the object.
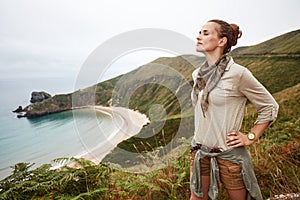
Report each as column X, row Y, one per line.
column 199, row 49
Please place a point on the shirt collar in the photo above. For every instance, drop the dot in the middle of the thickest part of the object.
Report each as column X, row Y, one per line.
column 230, row 63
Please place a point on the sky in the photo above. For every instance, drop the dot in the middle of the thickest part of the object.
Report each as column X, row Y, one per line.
column 54, row 38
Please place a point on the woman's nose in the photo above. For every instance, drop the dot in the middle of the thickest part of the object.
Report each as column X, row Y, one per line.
column 199, row 37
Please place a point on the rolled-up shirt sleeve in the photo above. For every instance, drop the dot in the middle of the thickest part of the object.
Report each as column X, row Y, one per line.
column 256, row 93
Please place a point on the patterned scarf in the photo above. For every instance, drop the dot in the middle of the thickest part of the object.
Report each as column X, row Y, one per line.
column 207, row 79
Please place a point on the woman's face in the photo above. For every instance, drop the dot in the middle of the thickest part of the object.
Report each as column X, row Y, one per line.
column 208, row 39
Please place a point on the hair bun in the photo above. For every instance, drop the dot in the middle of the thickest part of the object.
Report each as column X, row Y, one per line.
column 237, row 33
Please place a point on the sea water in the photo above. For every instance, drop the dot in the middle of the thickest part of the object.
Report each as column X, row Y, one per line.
column 42, row 139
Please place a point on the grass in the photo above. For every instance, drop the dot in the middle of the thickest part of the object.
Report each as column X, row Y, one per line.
column 276, row 166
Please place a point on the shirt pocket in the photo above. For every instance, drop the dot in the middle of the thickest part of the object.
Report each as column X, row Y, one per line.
column 225, row 85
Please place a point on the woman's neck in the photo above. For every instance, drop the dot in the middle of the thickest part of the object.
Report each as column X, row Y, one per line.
column 212, row 58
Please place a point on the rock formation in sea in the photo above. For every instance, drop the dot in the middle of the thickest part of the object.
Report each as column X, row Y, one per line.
column 19, row 109
column 39, row 96
column 36, row 99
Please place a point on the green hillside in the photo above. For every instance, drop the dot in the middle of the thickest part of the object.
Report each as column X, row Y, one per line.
column 288, row 43
column 164, row 81
column 276, row 72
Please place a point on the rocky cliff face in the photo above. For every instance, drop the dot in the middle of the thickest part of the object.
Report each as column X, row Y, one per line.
column 36, row 97
column 39, row 96
column 42, row 104
column 57, row 103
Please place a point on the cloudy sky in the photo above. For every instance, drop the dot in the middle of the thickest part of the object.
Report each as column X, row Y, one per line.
column 43, row 38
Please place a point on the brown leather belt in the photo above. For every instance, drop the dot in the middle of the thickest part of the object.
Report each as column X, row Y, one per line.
column 206, row 149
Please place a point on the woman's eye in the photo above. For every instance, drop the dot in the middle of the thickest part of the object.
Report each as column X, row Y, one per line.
column 203, row 33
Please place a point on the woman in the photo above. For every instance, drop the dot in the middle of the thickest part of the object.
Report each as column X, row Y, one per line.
column 221, row 89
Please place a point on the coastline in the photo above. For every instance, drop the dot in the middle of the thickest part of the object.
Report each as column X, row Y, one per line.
column 132, row 123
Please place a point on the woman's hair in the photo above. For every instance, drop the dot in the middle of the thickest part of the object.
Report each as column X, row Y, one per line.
column 231, row 31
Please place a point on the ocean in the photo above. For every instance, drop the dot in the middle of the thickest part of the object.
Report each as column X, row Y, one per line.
column 40, row 140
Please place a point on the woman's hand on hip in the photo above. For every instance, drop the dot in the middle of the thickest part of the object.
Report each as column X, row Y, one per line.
column 237, row 139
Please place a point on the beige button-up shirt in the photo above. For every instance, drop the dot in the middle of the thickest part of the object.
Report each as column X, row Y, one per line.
column 227, row 104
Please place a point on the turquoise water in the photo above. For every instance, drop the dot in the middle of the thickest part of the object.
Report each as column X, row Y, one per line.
column 43, row 139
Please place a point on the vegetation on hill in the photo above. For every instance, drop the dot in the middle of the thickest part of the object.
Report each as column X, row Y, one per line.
column 276, row 156
column 275, row 73
column 286, row 44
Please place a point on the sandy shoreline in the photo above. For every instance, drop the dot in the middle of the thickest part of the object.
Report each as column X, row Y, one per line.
column 132, row 123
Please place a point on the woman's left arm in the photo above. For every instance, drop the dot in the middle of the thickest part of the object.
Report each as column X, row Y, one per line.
column 267, row 109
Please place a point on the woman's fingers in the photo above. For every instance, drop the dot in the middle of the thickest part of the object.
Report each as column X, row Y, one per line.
column 236, row 139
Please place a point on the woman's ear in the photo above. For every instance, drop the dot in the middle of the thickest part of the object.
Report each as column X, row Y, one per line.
column 223, row 41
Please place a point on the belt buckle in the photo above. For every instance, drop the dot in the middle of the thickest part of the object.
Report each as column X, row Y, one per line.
column 205, row 148
column 215, row 150
column 210, row 150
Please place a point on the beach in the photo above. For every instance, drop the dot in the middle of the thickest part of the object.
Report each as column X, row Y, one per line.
column 128, row 123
